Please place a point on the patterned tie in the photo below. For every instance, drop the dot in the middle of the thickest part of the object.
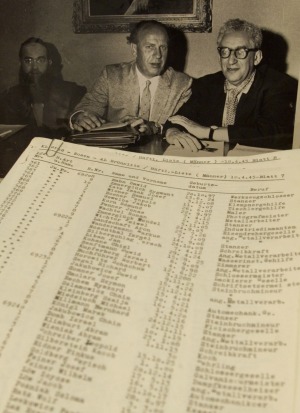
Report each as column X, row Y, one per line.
column 232, row 93
column 146, row 102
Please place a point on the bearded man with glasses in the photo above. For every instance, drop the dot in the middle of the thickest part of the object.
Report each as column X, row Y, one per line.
column 247, row 102
column 41, row 99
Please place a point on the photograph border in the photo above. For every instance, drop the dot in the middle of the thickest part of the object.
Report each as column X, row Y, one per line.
column 199, row 21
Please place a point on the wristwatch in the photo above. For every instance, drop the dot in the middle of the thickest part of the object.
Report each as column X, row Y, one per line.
column 211, row 132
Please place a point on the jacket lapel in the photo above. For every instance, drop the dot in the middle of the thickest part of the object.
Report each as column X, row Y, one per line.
column 219, row 96
column 248, row 101
column 161, row 97
column 133, row 90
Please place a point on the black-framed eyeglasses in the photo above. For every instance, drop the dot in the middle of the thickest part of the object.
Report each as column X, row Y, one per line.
column 239, row 53
column 30, row 60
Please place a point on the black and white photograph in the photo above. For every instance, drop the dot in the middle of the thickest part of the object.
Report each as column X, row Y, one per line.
column 149, row 206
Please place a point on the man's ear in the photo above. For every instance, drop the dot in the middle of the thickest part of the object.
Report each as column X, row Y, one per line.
column 133, row 49
column 258, row 57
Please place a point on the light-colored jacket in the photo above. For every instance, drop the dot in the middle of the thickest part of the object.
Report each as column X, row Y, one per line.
column 115, row 94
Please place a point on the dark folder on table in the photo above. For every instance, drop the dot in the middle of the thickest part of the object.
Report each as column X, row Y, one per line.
column 110, row 134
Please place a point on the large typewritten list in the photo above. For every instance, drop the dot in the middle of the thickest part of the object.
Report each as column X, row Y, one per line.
column 132, row 283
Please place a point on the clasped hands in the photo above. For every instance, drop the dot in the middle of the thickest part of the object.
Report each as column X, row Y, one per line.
column 190, row 139
column 86, row 121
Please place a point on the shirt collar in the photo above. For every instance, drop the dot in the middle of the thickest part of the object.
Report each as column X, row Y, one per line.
column 243, row 87
column 143, row 79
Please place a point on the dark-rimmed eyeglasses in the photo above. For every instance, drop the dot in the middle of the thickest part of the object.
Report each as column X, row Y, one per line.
column 239, row 53
column 30, row 60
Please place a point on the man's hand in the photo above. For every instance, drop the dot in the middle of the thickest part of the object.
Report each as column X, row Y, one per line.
column 192, row 127
column 183, row 139
column 86, row 121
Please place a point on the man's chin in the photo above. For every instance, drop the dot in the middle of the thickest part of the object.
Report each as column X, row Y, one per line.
column 34, row 77
column 156, row 71
column 232, row 77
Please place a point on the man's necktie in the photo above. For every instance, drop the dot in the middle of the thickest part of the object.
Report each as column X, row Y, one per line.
column 146, row 102
column 232, row 99
column 231, row 102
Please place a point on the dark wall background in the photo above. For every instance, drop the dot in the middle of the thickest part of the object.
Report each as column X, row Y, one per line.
column 84, row 55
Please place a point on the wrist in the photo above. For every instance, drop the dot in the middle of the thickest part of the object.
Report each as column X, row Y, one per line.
column 211, row 132
column 73, row 118
column 221, row 134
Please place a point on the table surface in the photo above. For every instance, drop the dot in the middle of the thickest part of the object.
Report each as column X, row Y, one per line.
column 14, row 144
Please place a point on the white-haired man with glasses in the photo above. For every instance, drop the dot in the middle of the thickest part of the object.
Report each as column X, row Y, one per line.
column 246, row 102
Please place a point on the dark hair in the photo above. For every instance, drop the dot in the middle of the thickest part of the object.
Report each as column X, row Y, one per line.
column 33, row 40
column 144, row 25
column 238, row 25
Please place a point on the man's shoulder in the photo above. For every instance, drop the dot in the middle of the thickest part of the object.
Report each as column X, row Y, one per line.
column 15, row 89
column 210, row 78
column 117, row 69
column 67, row 86
column 176, row 77
column 15, row 93
column 273, row 78
column 209, row 83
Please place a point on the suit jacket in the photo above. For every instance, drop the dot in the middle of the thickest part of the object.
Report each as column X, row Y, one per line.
column 116, row 94
column 60, row 99
column 264, row 116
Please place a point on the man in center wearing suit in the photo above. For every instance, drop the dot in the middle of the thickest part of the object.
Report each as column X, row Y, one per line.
column 143, row 92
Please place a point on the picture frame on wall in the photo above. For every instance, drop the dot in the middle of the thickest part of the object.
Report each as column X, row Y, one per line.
column 96, row 16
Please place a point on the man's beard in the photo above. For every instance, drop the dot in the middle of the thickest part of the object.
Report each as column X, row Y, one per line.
column 37, row 84
column 34, row 76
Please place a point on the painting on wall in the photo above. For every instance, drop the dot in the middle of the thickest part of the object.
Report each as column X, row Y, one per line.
column 95, row 16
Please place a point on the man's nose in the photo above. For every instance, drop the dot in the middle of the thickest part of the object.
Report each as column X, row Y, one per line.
column 232, row 59
column 157, row 52
column 34, row 63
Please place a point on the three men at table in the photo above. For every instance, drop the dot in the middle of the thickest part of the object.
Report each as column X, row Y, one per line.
column 143, row 92
column 245, row 103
